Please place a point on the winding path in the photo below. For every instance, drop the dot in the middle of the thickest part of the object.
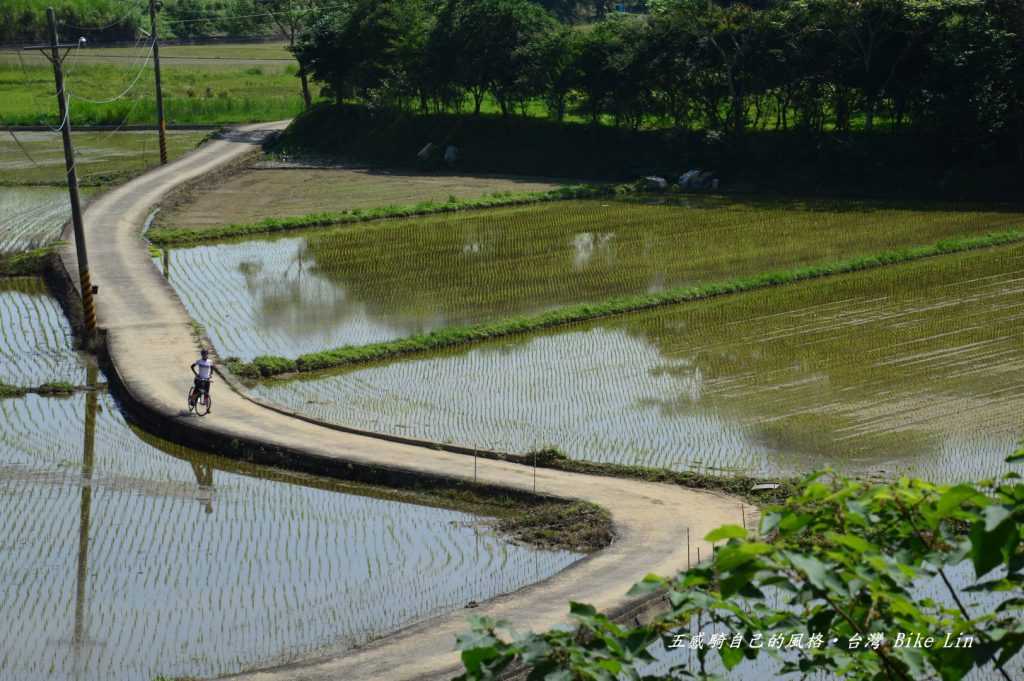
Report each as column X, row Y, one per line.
column 150, row 344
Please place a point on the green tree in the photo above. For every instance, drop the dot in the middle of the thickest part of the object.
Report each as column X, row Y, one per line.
column 372, row 49
column 289, row 19
column 843, row 560
column 493, row 46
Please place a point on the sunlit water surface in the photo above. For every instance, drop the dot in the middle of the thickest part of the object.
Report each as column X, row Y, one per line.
column 31, row 216
column 357, row 284
column 126, row 557
column 913, row 369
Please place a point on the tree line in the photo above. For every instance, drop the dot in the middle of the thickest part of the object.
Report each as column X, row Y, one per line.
column 950, row 68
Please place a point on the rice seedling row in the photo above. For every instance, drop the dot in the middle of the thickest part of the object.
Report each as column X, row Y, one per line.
column 125, row 557
column 377, row 282
column 905, row 369
column 31, row 217
column 100, row 157
column 35, row 338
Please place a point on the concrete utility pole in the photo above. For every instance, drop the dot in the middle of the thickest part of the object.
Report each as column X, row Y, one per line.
column 57, row 59
column 154, row 7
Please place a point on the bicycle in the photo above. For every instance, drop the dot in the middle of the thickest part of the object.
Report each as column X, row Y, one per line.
column 200, row 401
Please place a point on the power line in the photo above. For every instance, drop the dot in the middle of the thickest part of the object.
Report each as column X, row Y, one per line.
column 213, row 17
column 107, row 26
column 23, row 149
column 184, row 58
column 127, row 90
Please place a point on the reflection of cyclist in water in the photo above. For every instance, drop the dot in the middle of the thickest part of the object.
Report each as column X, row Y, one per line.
column 202, row 369
column 204, row 478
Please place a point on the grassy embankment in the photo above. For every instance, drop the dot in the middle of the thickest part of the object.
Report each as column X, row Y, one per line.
column 183, row 236
column 266, row 366
column 27, row 263
column 50, row 388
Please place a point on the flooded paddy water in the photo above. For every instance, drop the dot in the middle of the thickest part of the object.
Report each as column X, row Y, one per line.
column 123, row 556
column 34, row 204
column 31, row 217
column 35, row 338
column 911, row 369
column 359, row 284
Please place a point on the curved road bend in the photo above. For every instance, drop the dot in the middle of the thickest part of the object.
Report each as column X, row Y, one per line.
column 151, row 345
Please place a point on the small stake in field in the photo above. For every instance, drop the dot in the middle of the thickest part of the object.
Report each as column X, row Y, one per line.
column 57, row 59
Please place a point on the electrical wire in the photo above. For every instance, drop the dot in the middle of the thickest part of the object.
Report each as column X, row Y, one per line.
column 107, row 26
column 22, row 147
column 214, row 17
column 126, row 90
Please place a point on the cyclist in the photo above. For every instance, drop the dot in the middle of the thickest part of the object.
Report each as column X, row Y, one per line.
column 202, row 369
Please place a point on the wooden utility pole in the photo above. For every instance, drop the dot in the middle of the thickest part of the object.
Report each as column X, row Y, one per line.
column 57, row 59
column 154, row 7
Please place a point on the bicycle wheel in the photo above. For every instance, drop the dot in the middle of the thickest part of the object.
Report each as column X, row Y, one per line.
column 192, row 399
column 203, row 404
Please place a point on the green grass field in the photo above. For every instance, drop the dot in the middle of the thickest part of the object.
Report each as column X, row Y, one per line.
column 383, row 281
column 202, row 85
column 907, row 369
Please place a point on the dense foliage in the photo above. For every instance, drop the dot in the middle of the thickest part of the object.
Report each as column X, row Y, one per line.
column 108, row 21
column 842, row 568
column 950, row 68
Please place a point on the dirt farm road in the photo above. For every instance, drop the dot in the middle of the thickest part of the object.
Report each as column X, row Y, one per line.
column 150, row 344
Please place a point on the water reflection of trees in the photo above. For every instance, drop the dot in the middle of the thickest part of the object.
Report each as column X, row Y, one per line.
column 467, row 268
column 296, row 299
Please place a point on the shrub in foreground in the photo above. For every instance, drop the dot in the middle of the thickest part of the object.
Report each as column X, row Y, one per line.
column 851, row 571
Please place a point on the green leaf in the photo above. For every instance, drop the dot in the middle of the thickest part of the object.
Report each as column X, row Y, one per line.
column 730, row 656
column 731, row 557
column 649, row 583
column 987, row 545
column 994, row 516
column 954, row 498
column 816, row 571
column 475, row 658
column 582, row 609
column 769, row 521
column 725, row 532
column 853, row 542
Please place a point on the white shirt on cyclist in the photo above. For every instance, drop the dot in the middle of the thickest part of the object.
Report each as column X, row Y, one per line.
column 204, row 369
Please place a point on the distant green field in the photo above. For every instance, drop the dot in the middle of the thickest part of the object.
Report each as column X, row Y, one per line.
column 170, row 55
column 202, row 85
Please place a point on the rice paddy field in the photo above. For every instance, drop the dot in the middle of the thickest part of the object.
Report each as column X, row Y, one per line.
column 125, row 557
column 277, row 190
column 34, row 203
column 322, row 289
column 912, row 369
column 31, row 217
column 35, row 338
column 37, row 157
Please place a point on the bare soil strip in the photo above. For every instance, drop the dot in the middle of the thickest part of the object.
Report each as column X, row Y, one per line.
column 257, row 193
